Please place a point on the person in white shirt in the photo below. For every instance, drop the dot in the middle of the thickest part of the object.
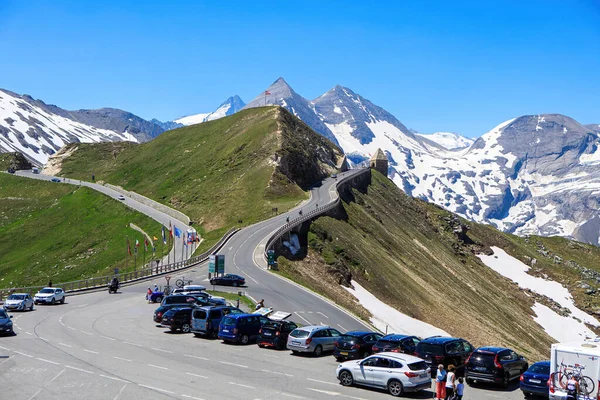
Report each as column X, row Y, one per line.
column 450, row 382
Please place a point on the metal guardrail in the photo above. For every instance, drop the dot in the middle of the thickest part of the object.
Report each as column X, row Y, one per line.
column 127, row 277
column 309, row 215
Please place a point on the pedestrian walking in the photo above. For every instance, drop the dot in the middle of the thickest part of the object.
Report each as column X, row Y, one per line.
column 50, row 283
column 440, row 383
column 450, row 382
column 460, row 389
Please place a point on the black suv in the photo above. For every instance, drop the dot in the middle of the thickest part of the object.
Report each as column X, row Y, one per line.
column 160, row 311
column 178, row 318
column 494, row 365
column 444, row 350
column 397, row 344
column 275, row 334
column 355, row 345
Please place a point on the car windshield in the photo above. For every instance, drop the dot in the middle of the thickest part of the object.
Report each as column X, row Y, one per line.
column 485, row 358
column 430, row 348
column 540, row 369
column 299, row 333
column 3, row 314
column 228, row 321
column 16, row 297
column 348, row 338
column 47, row 291
column 418, row 366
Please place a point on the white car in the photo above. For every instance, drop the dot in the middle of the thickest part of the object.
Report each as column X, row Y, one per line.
column 395, row 372
column 121, row 197
column 50, row 295
column 18, row 302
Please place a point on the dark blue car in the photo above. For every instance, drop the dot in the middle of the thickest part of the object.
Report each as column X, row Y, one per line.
column 241, row 328
column 535, row 379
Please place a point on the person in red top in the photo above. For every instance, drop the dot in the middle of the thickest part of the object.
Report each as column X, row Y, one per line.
column 148, row 294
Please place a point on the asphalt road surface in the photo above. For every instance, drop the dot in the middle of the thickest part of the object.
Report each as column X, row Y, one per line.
column 176, row 253
column 102, row 346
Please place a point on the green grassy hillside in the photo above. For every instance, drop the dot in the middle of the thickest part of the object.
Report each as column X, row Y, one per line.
column 407, row 253
column 62, row 232
column 219, row 172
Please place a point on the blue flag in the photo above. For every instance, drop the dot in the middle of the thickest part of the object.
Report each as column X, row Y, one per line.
column 177, row 232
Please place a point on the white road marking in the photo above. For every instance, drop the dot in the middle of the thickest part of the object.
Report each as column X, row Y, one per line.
column 44, row 339
column 239, row 384
column 276, row 372
column 327, row 392
column 134, row 344
column 122, row 359
column 157, row 366
column 319, row 312
column 325, row 382
column 71, row 328
column 310, row 312
column 196, row 375
column 87, row 333
column 163, row 350
column 120, row 391
column 29, row 333
column 18, row 327
column 4, row 348
column 304, row 319
column 79, row 369
column 36, row 393
column 191, row 397
column 90, row 351
column 108, row 338
column 342, row 327
column 233, row 364
column 293, row 396
column 59, row 374
column 23, row 354
column 199, row 358
column 48, row 361
column 66, row 345
column 155, row 388
column 7, row 358
column 114, row 378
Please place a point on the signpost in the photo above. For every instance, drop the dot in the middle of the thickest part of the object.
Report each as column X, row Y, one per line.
column 220, row 264
column 216, row 265
column 271, row 257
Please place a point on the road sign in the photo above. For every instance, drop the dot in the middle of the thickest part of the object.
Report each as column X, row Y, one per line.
column 271, row 257
column 211, row 264
column 220, row 264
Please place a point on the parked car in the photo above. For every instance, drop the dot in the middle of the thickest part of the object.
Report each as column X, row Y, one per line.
column 241, row 328
column 35, row 170
column 121, row 197
column 11, row 170
column 494, row 365
column 160, row 311
column 206, row 320
column 397, row 344
column 6, row 325
column 18, row 302
column 49, row 295
column 355, row 344
column 275, row 334
column 535, row 379
column 397, row 373
column 184, row 299
column 213, row 300
column 55, row 180
column 444, row 350
column 314, row 339
column 228, row 280
column 178, row 319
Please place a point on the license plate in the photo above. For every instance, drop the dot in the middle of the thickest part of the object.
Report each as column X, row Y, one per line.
column 225, row 330
column 267, row 333
column 482, row 369
column 535, row 381
column 344, row 353
column 425, row 375
column 295, row 343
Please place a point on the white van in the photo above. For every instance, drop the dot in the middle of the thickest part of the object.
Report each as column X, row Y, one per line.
column 581, row 358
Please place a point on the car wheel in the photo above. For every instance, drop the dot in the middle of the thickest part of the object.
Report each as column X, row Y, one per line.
column 31, row 308
column 526, row 395
column 53, row 301
column 158, row 299
column 395, row 388
column 261, row 345
column 62, row 301
column 346, row 378
column 469, row 381
column 244, row 339
column 235, row 284
column 185, row 328
column 172, row 329
column 318, row 350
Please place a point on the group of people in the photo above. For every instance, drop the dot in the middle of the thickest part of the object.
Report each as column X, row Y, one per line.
column 149, row 292
column 447, row 385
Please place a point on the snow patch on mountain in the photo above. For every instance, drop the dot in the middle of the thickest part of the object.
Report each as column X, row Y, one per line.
column 32, row 128
column 229, row 107
column 449, row 140
column 192, row 119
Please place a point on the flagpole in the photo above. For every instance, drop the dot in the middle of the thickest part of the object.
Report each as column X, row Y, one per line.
column 144, row 261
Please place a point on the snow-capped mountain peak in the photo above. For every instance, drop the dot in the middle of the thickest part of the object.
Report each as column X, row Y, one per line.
column 230, row 106
column 449, row 140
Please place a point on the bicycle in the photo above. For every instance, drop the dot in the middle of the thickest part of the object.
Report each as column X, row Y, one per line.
column 586, row 384
column 181, row 282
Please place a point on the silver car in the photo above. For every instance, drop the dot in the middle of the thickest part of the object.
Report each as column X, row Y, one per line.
column 18, row 302
column 313, row 339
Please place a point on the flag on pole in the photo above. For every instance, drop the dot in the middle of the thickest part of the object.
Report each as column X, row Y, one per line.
column 135, row 248
column 171, row 230
column 267, row 93
column 146, row 244
column 128, row 247
column 164, row 235
column 177, row 232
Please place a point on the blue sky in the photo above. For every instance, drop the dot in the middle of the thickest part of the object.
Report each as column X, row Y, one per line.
column 436, row 65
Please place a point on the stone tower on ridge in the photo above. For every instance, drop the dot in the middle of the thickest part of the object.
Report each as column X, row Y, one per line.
column 379, row 162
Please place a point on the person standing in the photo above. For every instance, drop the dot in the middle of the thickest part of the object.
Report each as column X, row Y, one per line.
column 450, row 382
column 572, row 388
column 440, row 383
column 260, row 304
column 460, row 389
